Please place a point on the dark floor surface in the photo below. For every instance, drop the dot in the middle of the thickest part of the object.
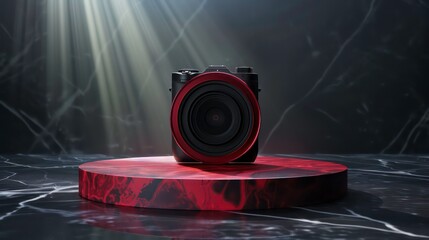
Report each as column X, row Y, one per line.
column 388, row 198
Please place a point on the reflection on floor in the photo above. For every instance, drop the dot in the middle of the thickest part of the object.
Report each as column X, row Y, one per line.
column 387, row 198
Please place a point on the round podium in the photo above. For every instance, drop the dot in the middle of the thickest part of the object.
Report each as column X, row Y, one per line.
column 160, row 182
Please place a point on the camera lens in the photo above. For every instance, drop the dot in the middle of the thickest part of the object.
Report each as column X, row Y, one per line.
column 215, row 118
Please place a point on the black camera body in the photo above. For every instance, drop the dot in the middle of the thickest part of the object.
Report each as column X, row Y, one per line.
column 216, row 120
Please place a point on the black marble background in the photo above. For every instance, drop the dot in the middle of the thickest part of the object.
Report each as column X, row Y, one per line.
column 336, row 77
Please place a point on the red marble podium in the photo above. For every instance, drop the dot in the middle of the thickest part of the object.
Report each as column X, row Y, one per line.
column 160, row 182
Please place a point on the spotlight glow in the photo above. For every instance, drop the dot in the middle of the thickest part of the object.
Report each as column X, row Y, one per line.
column 126, row 50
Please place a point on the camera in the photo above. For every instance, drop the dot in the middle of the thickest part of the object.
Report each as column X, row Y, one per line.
column 215, row 116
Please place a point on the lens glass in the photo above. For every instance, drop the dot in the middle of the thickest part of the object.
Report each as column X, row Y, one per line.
column 215, row 118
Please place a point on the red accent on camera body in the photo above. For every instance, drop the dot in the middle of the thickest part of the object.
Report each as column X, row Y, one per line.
column 215, row 115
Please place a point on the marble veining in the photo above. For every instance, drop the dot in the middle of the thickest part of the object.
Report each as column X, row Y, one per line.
column 387, row 198
column 347, row 79
column 338, row 77
column 322, row 77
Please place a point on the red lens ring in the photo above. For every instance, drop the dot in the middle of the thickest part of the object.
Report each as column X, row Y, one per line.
column 234, row 81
